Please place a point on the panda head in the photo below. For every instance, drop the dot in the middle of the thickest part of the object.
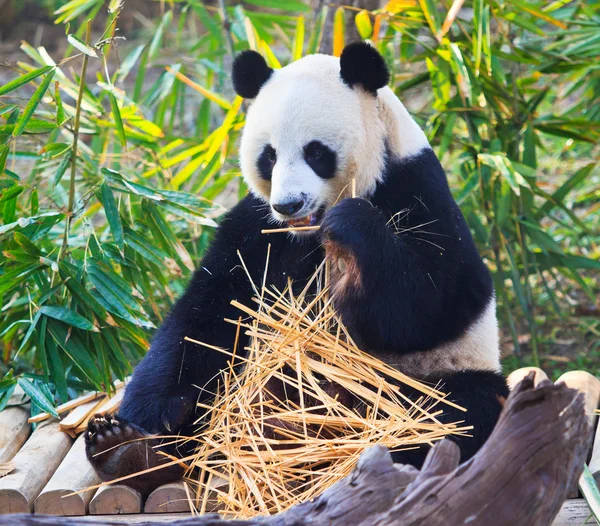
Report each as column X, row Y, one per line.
column 316, row 125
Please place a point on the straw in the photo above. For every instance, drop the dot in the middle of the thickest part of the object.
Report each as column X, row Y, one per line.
column 293, row 416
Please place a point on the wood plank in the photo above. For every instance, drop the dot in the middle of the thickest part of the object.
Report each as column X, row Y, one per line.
column 516, row 376
column 14, row 431
column 74, row 473
column 78, row 415
column 163, row 518
column 109, row 405
column 168, row 498
column 76, row 402
column 35, row 463
column 574, row 512
column 116, row 499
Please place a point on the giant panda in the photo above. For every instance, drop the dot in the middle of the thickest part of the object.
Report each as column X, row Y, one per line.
column 408, row 282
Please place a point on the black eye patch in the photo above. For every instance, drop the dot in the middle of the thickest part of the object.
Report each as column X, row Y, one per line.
column 266, row 162
column 321, row 159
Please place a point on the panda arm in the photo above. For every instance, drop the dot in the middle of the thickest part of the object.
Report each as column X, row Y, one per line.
column 176, row 373
column 401, row 292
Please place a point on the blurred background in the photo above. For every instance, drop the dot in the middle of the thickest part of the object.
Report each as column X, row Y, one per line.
column 118, row 156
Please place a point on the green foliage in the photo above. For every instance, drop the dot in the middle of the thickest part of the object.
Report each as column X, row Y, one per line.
column 109, row 168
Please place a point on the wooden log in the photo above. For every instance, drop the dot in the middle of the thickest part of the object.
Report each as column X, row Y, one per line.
column 516, row 376
column 74, row 473
column 594, row 463
column 14, row 431
column 589, row 386
column 168, row 498
column 116, row 499
column 518, row 478
column 34, row 465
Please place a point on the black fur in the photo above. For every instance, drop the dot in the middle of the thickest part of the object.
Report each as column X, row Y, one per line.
column 421, row 288
column 431, row 283
column 361, row 64
column 250, row 72
column 266, row 161
column 321, row 159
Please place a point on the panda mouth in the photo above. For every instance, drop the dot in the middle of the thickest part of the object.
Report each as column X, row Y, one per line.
column 308, row 220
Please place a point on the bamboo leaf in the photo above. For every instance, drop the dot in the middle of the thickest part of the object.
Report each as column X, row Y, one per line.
column 118, row 120
column 298, row 45
column 68, row 316
column 37, row 396
column 363, row 24
column 33, row 104
column 21, row 81
column 339, row 28
column 80, row 45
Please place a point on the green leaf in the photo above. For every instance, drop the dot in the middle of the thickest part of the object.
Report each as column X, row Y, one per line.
column 37, row 396
column 33, row 104
column 118, row 120
column 314, row 42
column 429, row 9
column 80, row 292
column 286, row 5
column 74, row 348
column 298, row 45
column 590, row 492
column 21, row 81
column 363, row 24
column 31, row 329
column 574, row 181
column 60, row 110
column 68, row 316
column 112, row 215
column 80, row 45
column 57, row 369
column 3, row 156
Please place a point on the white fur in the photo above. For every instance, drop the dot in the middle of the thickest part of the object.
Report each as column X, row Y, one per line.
column 476, row 350
column 307, row 100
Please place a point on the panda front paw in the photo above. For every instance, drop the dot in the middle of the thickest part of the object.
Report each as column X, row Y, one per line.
column 117, row 448
column 350, row 233
column 352, row 223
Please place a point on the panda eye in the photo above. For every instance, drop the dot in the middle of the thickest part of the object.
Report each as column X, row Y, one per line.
column 317, row 153
column 271, row 155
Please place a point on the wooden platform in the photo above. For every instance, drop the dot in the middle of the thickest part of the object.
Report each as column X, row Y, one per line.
column 49, row 465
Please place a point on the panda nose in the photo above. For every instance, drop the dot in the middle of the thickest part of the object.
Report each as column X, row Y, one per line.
column 289, row 208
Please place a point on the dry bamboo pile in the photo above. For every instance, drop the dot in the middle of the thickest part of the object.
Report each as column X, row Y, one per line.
column 304, row 403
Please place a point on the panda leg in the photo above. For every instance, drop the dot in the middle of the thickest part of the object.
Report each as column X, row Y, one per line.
column 117, row 448
column 482, row 394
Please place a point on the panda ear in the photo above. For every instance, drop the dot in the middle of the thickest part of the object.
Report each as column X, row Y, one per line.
column 249, row 73
column 361, row 64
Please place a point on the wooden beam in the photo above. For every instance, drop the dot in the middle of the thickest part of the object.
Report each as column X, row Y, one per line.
column 74, row 473
column 116, row 499
column 168, row 498
column 35, row 463
column 14, row 431
column 519, row 477
column 516, row 376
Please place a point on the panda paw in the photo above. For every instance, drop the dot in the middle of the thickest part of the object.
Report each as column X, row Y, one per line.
column 353, row 223
column 117, row 448
column 108, row 438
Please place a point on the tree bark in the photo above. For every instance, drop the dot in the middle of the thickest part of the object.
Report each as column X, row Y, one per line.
column 520, row 476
